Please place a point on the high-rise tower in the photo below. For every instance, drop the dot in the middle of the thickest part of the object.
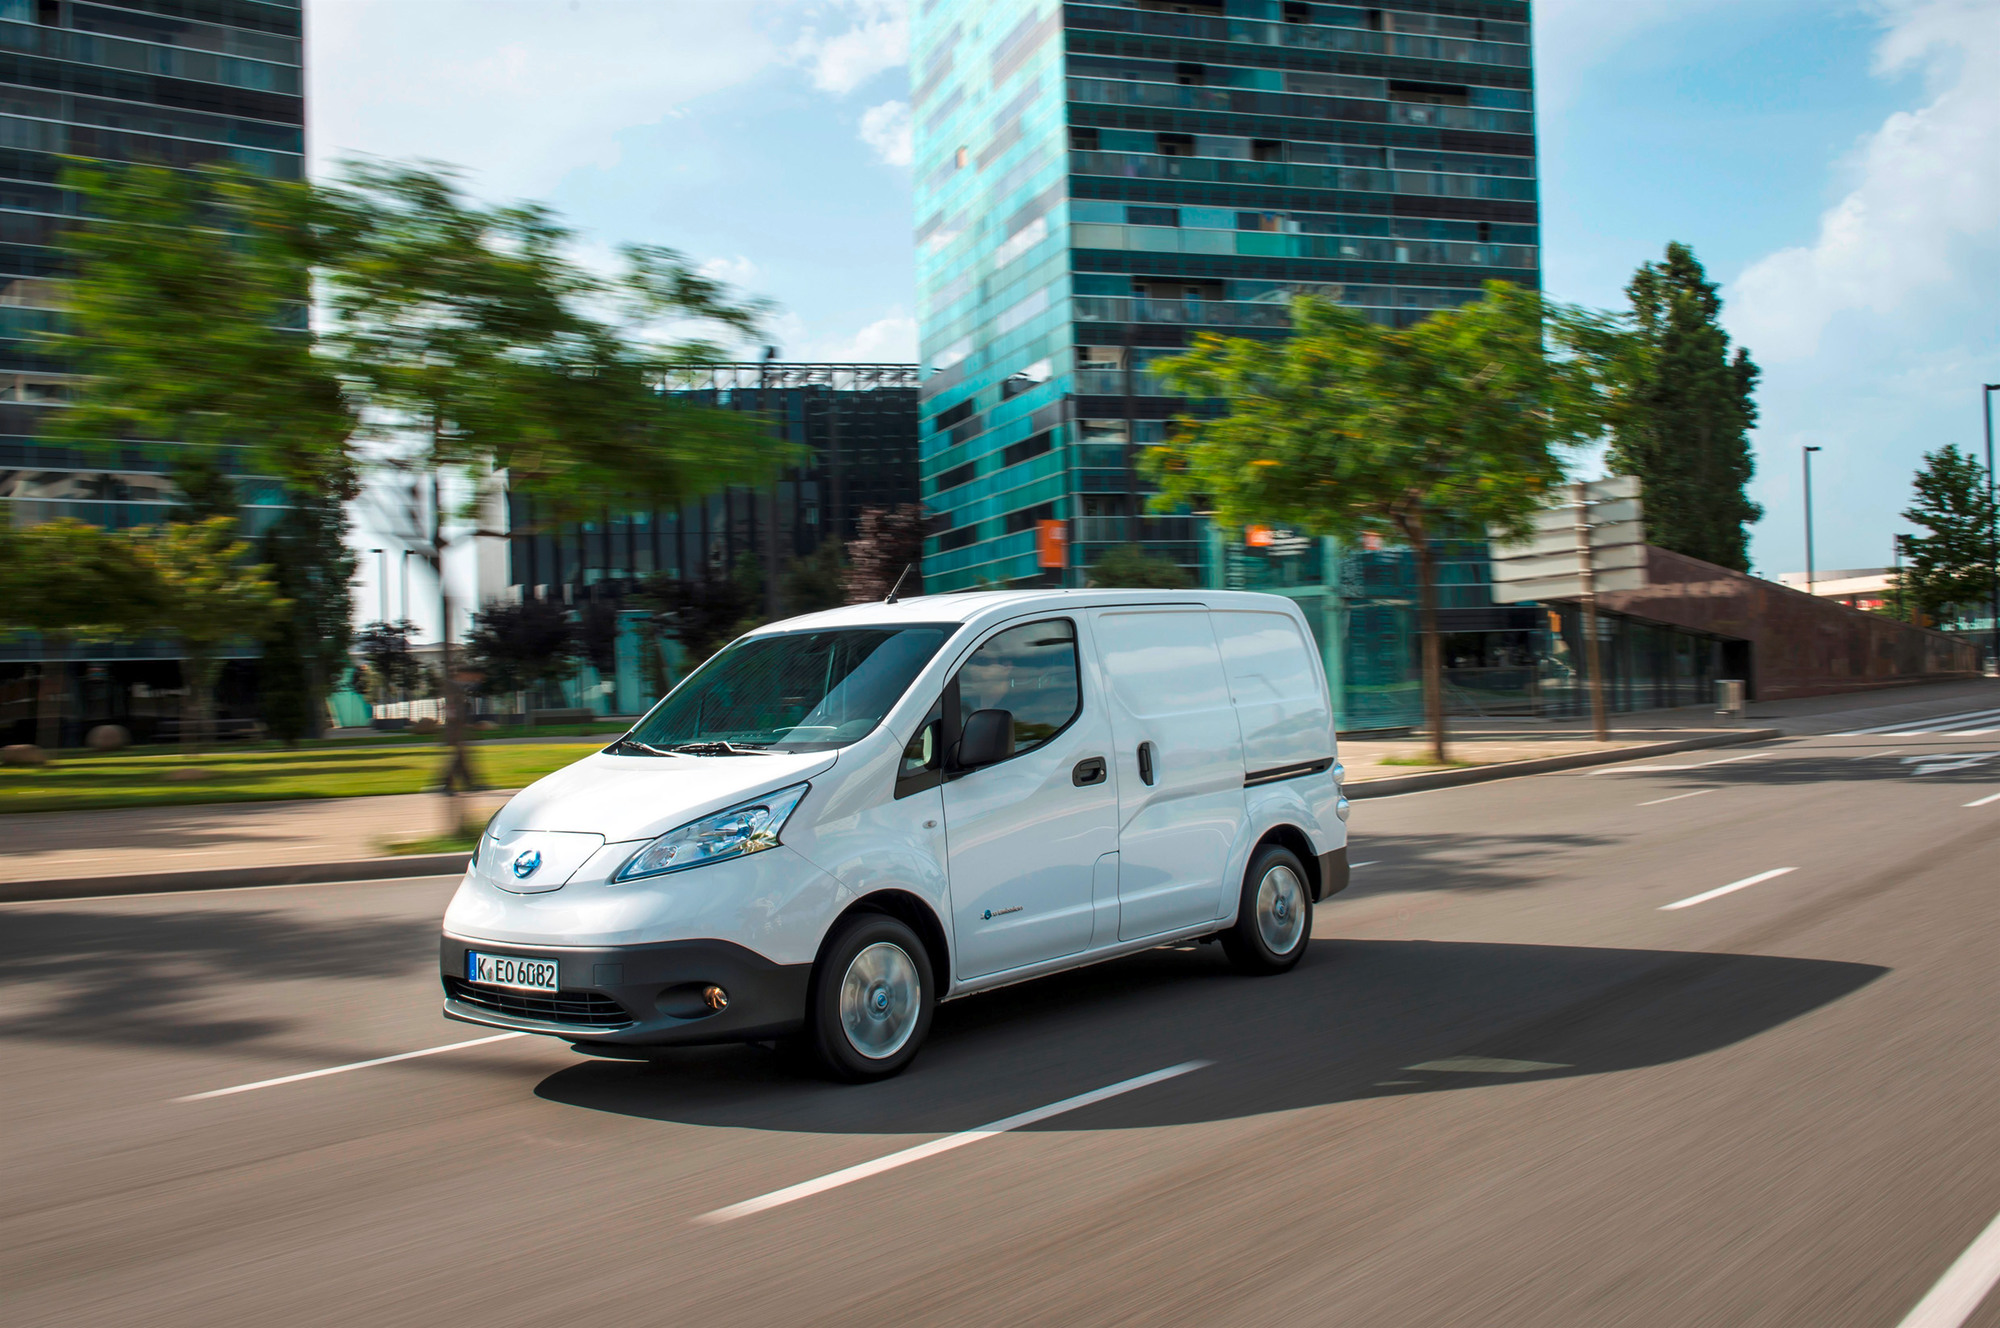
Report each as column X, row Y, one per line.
column 1096, row 182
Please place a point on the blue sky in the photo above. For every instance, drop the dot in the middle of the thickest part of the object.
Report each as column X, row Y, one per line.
column 1836, row 163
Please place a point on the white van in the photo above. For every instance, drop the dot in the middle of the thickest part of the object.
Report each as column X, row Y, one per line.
column 842, row 819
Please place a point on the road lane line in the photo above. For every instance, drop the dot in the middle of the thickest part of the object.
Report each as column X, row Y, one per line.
column 1981, row 802
column 1370, row 863
column 1964, row 1285
column 1731, row 888
column 1677, row 797
column 1911, row 726
column 343, row 1069
column 833, row 1180
column 1869, row 756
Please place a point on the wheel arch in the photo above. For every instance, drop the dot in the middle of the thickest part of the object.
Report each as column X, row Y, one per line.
column 913, row 912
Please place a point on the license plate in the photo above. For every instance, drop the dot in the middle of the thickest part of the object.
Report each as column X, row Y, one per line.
column 492, row 970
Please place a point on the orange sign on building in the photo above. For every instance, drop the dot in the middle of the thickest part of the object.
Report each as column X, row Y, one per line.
column 1051, row 543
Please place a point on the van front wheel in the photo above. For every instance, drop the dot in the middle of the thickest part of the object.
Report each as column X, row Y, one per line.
column 1274, row 915
column 872, row 998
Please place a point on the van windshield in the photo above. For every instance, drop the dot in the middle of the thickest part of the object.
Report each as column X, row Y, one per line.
column 793, row 692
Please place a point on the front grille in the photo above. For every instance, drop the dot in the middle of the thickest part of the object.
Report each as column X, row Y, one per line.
column 589, row 1009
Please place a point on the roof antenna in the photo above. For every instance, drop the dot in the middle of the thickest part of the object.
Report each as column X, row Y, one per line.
column 901, row 577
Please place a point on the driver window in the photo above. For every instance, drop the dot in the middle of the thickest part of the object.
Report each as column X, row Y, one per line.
column 1030, row 670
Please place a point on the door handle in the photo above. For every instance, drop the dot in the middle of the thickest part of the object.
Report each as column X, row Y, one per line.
column 1090, row 770
column 1146, row 763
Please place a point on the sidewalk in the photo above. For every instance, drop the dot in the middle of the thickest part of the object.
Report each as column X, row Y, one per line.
column 222, row 837
column 45, row 846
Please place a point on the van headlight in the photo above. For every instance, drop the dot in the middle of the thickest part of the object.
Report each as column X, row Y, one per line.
column 748, row 827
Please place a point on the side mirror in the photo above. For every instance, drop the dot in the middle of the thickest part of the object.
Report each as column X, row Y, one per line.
column 988, row 737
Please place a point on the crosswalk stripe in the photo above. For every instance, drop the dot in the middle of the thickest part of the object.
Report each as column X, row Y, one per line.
column 1913, row 726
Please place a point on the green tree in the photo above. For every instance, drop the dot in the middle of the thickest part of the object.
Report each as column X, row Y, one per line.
column 392, row 671
column 186, row 315
column 487, row 355
column 1346, row 426
column 305, row 650
column 1689, row 405
column 1129, row 567
column 707, row 614
column 817, row 581
column 211, row 596
column 1952, row 565
column 67, row 581
column 518, row 647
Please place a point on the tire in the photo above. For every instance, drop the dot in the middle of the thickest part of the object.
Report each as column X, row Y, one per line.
column 872, row 999
column 1274, row 914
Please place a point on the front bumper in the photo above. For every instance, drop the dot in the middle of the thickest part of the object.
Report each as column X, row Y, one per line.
column 634, row 995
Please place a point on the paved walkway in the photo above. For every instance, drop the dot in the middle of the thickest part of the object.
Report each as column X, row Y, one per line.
column 58, row 845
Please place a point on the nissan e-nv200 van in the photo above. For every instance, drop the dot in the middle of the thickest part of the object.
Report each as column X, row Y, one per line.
column 840, row 820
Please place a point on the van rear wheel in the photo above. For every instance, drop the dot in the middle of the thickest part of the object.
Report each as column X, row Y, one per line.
column 1274, row 914
column 872, row 999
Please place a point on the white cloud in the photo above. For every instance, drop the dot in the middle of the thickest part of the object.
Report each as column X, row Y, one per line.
column 886, row 128
column 889, row 339
column 1923, row 209
column 519, row 92
column 877, row 39
column 737, row 271
column 1575, row 38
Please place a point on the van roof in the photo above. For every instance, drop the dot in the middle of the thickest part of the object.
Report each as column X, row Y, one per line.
column 993, row 605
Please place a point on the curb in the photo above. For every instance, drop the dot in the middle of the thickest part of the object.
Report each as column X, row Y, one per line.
column 1542, row 765
column 232, row 878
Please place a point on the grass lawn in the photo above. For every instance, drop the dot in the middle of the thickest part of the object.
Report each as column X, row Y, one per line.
column 88, row 783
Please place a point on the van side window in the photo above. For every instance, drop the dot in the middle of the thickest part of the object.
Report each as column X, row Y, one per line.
column 1031, row 671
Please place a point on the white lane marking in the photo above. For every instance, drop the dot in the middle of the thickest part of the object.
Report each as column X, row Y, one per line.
column 1486, row 1065
column 1905, row 726
column 1731, row 888
column 1964, row 1285
column 1370, row 863
column 343, row 1069
column 1981, row 802
column 1869, row 756
column 1699, row 765
column 1939, row 762
column 848, row 1175
column 1676, row 798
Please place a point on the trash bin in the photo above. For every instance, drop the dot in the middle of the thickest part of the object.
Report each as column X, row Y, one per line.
column 1729, row 699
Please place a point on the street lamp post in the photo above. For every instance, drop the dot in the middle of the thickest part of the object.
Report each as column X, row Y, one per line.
column 1993, row 528
column 1809, row 547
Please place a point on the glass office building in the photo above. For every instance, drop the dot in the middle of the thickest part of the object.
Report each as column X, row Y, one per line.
column 1097, row 182
column 174, row 82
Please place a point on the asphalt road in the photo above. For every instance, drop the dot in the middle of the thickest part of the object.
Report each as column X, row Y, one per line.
column 1508, row 1086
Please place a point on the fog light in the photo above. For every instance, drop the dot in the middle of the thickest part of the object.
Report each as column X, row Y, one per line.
column 714, row 997
column 1340, row 809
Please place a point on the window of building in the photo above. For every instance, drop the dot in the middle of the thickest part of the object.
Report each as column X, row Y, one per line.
column 956, row 414
column 1152, row 216
column 1191, row 75
column 1267, row 149
column 1083, row 138
column 1026, row 517
column 958, row 475
column 1297, row 13
column 1015, row 453
column 1175, row 145
column 1206, row 8
column 958, row 539
column 1429, row 94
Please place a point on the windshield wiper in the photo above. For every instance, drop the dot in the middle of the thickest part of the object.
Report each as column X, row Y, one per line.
column 720, row 748
column 634, row 742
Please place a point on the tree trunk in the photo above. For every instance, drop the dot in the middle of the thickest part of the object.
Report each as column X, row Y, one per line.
column 458, row 767
column 52, row 691
column 199, row 673
column 1427, row 611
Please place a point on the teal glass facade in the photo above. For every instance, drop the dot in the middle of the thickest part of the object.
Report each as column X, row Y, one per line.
column 1095, row 183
